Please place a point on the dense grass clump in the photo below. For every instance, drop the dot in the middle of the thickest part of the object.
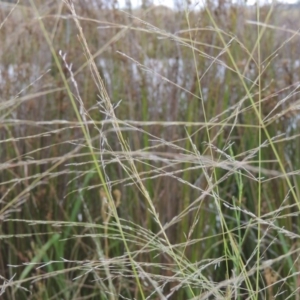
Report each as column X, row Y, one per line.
column 149, row 153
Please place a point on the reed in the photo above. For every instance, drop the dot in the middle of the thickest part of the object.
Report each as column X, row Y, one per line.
column 149, row 153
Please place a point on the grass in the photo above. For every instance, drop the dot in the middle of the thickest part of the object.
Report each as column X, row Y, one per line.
column 149, row 153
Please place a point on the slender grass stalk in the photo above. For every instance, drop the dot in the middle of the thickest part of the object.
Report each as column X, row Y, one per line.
column 258, row 254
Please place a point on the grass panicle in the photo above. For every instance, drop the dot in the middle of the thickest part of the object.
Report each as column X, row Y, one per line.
column 149, row 152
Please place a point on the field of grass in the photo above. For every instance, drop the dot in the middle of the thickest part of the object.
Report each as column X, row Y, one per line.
column 149, row 153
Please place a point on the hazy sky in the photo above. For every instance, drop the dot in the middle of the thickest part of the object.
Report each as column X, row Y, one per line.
column 170, row 3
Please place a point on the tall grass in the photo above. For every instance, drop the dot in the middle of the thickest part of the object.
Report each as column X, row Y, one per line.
column 149, row 153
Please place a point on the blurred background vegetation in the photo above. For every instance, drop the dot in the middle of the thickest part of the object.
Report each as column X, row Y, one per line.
column 190, row 81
